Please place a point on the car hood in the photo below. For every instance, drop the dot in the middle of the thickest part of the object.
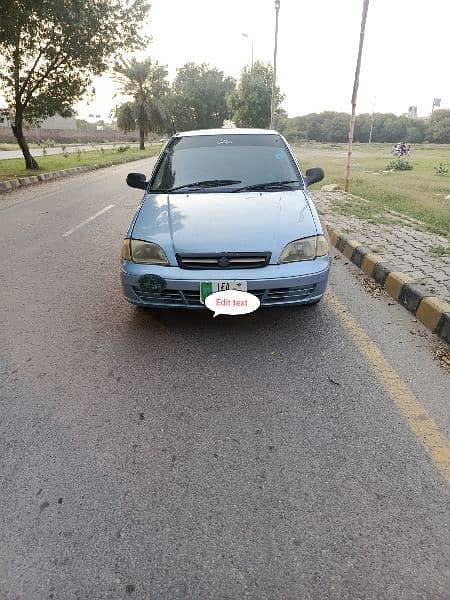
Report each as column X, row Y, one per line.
column 220, row 222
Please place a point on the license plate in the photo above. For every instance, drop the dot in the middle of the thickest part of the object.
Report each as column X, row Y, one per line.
column 210, row 287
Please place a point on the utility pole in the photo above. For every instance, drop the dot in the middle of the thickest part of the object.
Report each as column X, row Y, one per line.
column 274, row 79
column 355, row 93
column 371, row 123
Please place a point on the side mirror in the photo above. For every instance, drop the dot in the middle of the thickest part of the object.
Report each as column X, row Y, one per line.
column 313, row 176
column 137, row 180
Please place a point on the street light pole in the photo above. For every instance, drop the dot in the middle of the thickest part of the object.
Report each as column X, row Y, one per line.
column 251, row 40
column 274, row 79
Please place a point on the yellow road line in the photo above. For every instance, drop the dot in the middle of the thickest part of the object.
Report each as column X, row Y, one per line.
column 433, row 440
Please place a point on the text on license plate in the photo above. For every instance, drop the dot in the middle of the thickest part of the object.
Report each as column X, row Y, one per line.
column 210, row 287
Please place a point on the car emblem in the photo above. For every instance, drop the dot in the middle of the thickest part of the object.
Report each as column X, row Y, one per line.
column 224, row 141
column 223, row 261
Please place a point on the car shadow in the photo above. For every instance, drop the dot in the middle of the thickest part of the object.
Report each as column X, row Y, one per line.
column 250, row 339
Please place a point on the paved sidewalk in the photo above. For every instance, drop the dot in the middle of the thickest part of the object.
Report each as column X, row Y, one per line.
column 399, row 241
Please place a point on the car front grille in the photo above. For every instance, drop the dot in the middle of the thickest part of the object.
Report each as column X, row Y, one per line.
column 287, row 295
column 225, row 260
column 191, row 298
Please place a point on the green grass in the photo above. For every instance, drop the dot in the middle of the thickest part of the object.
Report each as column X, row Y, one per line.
column 419, row 193
column 440, row 250
column 15, row 167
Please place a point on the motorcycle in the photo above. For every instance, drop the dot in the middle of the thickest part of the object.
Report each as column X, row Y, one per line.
column 399, row 151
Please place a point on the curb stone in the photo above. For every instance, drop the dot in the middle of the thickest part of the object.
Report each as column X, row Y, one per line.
column 9, row 185
column 380, row 272
column 358, row 255
column 394, row 283
column 411, row 296
column 432, row 311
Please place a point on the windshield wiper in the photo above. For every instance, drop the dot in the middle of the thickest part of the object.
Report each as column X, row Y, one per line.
column 206, row 183
column 268, row 185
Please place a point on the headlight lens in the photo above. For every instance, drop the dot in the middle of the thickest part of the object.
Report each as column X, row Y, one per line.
column 146, row 253
column 323, row 246
column 126, row 250
column 305, row 249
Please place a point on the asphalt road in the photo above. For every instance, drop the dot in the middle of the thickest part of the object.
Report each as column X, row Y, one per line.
column 172, row 455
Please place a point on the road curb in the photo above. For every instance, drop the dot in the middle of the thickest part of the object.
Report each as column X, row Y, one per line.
column 432, row 311
column 13, row 184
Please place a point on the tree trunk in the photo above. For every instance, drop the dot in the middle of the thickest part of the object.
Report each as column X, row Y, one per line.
column 17, row 130
column 141, row 139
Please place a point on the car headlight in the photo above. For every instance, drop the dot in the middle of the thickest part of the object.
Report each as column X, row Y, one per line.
column 146, row 253
column 305, row 249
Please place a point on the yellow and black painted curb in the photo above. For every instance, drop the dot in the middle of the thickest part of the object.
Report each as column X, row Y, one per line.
column 432, row 311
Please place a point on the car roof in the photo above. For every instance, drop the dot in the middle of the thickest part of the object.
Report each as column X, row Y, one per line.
column 231, row 131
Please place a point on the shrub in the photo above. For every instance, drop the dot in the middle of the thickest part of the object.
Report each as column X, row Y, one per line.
column 400, row 164
column 123, row 148
column 441, row 169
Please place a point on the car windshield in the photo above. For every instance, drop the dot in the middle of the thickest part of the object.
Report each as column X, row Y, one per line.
column 223, row 162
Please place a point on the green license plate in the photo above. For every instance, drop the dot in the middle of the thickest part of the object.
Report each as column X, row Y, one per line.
column 211, row 287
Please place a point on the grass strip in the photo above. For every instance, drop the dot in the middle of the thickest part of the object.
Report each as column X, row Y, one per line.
column 15, row 167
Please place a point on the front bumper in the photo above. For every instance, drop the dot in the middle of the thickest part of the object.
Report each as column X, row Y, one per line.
column 274, row 285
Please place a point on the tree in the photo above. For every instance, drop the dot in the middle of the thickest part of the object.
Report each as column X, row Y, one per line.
column 439, row 127
column 416, row 131
column 333, row 127
column 198, row 98
column 49, row 51
column 250, row 102
column 146, row 82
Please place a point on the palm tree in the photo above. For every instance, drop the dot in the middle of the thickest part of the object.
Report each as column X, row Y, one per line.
column 147, row 85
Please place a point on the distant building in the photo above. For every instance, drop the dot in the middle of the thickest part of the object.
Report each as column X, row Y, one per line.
column 412, row 112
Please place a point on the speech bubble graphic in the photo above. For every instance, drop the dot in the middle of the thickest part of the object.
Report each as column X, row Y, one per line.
column 232, row 302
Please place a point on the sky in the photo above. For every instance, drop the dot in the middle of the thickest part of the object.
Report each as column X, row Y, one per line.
column 406, row 57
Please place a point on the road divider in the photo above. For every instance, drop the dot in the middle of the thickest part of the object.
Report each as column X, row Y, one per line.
column 13, row 184
column 432, row 311
column 100, row 162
